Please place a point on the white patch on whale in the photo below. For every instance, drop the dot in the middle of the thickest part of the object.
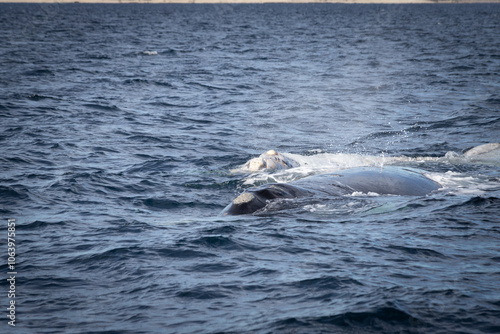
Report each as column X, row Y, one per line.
column 270, row 160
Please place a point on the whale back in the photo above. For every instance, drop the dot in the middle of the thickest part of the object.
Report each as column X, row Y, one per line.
column 383, row 181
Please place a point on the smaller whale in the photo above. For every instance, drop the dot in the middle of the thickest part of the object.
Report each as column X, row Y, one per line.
column 383, row 181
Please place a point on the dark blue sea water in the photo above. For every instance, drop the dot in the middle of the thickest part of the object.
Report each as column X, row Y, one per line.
column 119, row 125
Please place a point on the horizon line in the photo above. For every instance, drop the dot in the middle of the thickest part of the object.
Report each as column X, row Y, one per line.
column 256, row 1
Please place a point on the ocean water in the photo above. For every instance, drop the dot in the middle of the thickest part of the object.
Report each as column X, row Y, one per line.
column 120, row 125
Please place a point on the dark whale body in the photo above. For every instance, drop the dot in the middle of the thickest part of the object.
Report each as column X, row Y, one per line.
column 385, row 181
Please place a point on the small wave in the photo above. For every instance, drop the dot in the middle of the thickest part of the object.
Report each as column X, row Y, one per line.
column 37, row 97
column 51, row 282
column 493, row 202
column 324, row 283
column 209, row 87
column 39, row 224
column 39, row 72
column 183, row 253
column 202, row 184
column 18, row 160
column 166, row 204
column 493, row 100
column 200, row 292
column 119, row 227
column 96, row 56
column 135, row 81
column 259, row 272
column 225, row 229
column 14, row 192
column 114, row 255
column 294, row 250
column 461, row 68
column 148, row 139
column 476, row 203
column 222, row 242
column 176, row 105
column 101, row 107
column 157, row 165
column 163, row 84
column 14, row 196
column 102, row 149
column 385, row 319
column 387, row 133
column 209, row 268
column 419, row 252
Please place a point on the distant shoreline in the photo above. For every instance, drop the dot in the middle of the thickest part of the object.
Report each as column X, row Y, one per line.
column 259, row 1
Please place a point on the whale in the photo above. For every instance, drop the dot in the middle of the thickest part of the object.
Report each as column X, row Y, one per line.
column 390, row 180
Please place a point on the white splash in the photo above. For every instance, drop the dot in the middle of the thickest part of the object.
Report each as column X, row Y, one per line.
column 461, row 184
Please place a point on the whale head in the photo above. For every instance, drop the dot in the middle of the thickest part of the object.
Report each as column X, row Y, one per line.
column 271, row 160
column 257, row 198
